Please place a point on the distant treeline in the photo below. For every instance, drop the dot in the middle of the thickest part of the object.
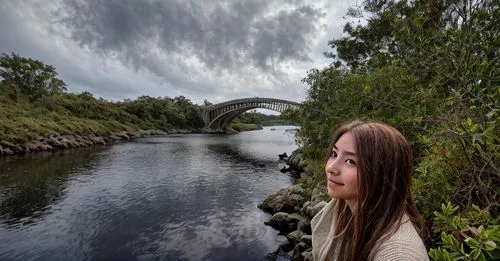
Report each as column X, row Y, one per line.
column 34, row 102
column 431, row 69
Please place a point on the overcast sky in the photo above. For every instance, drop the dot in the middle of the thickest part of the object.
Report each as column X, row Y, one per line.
column 201, row 49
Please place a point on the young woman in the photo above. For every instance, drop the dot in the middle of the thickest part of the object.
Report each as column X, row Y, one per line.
column 371, row 215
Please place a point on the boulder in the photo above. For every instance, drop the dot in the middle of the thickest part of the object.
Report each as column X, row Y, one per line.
column 7, row 151
column 306, row 239
column 38, row 145
column 54, row 142
column 122, row 135
column 11, row 146
column 67, row 142
column 305, row 225
column 298, row 250
column 294, row 237
column 307, row 255
column 287, row 200
column 284, row 222
column 318, row 194
column 270, row 257
column 310, row 210
column 297, row 161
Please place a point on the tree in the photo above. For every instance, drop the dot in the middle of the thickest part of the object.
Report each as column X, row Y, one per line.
column 429, row 68
column 29, row 77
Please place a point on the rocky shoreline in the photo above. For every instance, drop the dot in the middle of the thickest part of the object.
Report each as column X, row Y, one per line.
column 292, row 210
column 56, row 141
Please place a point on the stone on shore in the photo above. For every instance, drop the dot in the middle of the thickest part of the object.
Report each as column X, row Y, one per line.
column 294, row 237
column 310, row 209
column 287, row 200
column 293, row 209
column 55, row 141
column 284, row 222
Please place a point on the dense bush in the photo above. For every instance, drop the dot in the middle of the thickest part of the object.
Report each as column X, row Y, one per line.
column 429, row 68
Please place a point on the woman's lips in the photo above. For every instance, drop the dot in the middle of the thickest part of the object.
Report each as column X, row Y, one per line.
column 333, row 183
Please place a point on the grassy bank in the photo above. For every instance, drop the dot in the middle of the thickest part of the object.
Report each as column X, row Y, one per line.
column 245, row 126
column 24, row 122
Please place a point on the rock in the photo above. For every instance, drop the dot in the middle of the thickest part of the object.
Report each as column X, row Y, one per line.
column 67, row 143
column 306, row 239
column 284, row 222
column 305, row 226
column 7, row 151
column 113, row 138
column 296, row 161
column 318, row 195
column 283, row 156
column 285, row 247
column 97, row 140
column 14, row 148
column 287, row 200
column 307, row 255
column 52, row 141
column 137, row 134
column 311, row 211
column 38, row 145
column 297, row 251
column 55, row 141
column 294, row 237
column 122, row 135
column 270, row 257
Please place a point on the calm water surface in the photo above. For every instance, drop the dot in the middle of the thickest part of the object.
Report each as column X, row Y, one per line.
column 178, row 197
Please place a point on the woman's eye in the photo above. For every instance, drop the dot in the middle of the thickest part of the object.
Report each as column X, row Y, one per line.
column 351, row 162
column 334, row 154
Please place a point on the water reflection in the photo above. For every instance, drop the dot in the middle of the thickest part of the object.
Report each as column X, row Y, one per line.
column 30, row 184
column 186, row 197
column 230, row 152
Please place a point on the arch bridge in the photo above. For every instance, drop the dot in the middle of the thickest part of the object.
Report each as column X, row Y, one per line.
column 218, row 116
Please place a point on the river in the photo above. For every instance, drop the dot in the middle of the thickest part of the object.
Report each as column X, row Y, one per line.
column 176, row 197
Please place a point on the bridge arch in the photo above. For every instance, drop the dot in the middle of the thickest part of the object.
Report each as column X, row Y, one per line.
column 218, row 116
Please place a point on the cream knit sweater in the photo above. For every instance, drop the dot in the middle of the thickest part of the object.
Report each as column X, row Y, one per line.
column 404, row 244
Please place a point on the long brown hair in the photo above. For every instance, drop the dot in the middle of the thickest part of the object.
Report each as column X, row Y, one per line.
column 384, row 196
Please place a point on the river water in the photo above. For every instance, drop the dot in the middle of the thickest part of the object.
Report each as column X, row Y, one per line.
column 176, row 197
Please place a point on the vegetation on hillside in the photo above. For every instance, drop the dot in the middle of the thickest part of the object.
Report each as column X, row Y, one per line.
column 258, row 118
column 429, row 68
column 34, row 103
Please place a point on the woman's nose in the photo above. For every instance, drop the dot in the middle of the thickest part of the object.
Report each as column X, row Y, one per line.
column 331, row 167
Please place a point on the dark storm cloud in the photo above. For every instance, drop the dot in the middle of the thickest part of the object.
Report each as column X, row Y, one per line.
column 203, row 49
column 223, row 35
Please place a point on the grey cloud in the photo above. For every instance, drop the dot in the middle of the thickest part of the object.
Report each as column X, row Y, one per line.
column 200, row 49
column 223, row 35
column 285, row 36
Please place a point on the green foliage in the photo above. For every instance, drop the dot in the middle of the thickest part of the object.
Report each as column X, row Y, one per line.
column 473, row 235
column 26, row 77
column 238, row 126
column 430, row 69
column 33, row 103
column 249, row 118
column 165, row 113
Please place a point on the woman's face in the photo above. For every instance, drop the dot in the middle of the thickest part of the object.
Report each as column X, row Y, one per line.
column 341, row 169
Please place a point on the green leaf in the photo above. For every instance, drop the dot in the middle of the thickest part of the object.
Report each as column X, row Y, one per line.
column 471, row 242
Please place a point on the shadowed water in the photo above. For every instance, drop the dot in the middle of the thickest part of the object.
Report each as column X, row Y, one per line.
column 183, row 197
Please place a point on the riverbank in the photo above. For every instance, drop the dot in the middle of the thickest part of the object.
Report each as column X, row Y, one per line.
column 292, row 210
column 56, row 141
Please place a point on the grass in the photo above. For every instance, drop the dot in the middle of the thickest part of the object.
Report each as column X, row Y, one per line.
column 24, row 122
column 244, row 127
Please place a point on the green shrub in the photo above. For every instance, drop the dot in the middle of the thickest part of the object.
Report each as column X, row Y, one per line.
column 472, row 235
